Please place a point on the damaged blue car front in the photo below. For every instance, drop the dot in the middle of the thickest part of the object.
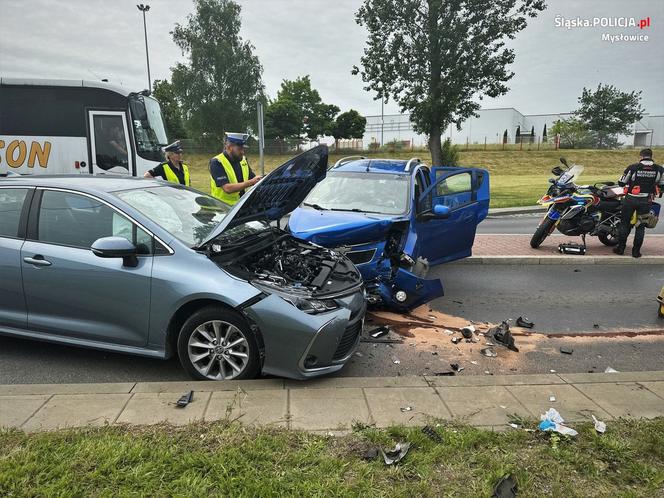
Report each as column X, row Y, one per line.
column 394, row 219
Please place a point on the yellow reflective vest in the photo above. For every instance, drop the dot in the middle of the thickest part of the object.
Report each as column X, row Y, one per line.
column 173, row 178
column 218, row 192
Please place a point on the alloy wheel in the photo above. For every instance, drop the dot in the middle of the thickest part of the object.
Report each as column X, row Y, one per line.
column 218, row 350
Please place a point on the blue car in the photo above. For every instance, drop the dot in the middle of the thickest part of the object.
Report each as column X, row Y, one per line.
column 394, row 219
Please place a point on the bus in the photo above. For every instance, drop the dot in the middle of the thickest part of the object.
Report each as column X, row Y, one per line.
column 75, row 127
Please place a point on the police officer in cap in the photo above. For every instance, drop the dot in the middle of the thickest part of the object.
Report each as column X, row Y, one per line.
column 642, row 181
column 230, row 174
column 173, row 170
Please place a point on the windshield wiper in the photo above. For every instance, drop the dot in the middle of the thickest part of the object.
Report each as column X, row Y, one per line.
column 316, row 206
column 356, row 210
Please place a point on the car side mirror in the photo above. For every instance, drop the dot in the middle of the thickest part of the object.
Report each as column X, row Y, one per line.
column 116, row 247
column 441, row 211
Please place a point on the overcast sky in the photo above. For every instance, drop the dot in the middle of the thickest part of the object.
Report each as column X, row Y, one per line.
column 94, row 39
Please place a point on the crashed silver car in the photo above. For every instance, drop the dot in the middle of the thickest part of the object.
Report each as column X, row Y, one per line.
column 156, row 269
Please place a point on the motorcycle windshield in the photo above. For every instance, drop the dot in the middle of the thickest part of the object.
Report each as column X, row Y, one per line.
column 571, row 175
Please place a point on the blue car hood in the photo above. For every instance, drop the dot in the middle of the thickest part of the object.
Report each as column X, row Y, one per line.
column 279, row 193
column 332, row 228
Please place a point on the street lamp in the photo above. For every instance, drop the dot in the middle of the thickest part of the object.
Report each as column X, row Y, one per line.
column 144, row 8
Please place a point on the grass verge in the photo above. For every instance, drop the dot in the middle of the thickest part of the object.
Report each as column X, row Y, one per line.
column 518, row 178
column 228, row 459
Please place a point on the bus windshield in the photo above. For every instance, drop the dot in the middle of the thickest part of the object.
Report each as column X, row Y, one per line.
column 148, row 127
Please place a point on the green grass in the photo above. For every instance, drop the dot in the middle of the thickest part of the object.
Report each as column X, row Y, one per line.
column 518, row 178
column 228, row 459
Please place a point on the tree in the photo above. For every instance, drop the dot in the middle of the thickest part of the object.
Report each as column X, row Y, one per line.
column 220, row 84
column 437, row 58
column 517, row 135
column 608, row 112
column 573, row 133
column 505, row 137
column 450, row 156
column 317, row 117
column 170, row 108
column 349, row 124
column 544, row 137
column 283, row 119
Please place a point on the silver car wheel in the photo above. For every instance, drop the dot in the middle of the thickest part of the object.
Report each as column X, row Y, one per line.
column 218, row 350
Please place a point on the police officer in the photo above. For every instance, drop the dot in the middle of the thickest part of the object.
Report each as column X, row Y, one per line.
column 641, row 181
column 230, row 174
column 173, row 170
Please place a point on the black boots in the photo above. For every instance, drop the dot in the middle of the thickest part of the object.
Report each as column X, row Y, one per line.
column 619, row 249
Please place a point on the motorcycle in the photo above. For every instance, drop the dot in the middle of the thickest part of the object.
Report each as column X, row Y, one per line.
column 579, row 210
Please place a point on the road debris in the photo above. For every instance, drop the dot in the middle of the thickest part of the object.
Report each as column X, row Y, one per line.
column 600, row 426
column 431, row 433
column 370, row 454
column 552, row 421
column 406, row 408
column 468, row 332
column 456, row 340
column 552, row 399
column 473, row 362
column 449, row 373
column 566, row 350
column 379, row 331
column 489, row 352
column 502, row 335
column 610, row 370
column 552, row 371
column 396, row 360
column 456, row 367
column 185, row 399
column 448, row 332
column 524, row 322
column 505, row 488
column 395, row 455
column 381, row 341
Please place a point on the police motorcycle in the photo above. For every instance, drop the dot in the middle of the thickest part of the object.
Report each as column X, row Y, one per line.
column 579, row 210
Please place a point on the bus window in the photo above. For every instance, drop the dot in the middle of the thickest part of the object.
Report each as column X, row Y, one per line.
column 110, row 142
column 148, row 127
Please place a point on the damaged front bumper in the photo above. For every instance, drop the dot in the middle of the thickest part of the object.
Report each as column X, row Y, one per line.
column 400, row 284
column 300, row 345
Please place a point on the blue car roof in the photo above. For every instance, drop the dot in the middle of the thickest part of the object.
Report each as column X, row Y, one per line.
column 394, row 166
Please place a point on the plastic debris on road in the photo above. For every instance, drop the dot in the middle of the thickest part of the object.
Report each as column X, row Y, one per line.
column 552, row 399
column 503, row 336
column 185, row 399
column 406, row 408
column 489, row 352
column 610, row 370
column 468, row 332
column 600, row 426
column 395, row 455
column 552, row 421
column 396, row 360
column 379, row 331
column 566, row 350
column 456, row 367
column 505, row 488
column 524, row 322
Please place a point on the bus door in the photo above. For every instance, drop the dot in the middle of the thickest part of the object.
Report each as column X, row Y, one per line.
column 110, row 149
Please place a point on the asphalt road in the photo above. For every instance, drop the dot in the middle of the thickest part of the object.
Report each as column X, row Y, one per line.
column 527, row 223
column 556, row 298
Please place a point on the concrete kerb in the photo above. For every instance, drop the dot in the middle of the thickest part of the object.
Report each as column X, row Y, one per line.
column 560, row 260
column 496, row 212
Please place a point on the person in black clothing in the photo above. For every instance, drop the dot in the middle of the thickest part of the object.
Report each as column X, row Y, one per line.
column 173, row 170
column 642, row 181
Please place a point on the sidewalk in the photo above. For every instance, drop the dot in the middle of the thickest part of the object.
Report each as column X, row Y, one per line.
column 335, row 404
column 515, row 249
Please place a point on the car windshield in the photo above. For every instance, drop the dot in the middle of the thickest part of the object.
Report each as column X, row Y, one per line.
column 366, row 192
column 188, row 215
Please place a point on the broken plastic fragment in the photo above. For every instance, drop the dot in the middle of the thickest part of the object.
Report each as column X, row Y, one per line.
column 610, row 370
column 456, row 340
column 442, row 374
column 448, row 332
column 467, row 332
column 379, row 331
column 600, row 426
column 552, row 421
column 185, row 399
column 395, row 455
column 502, row 334
column 456, row 367
column 506, row 488
column 396, row 360
column 489, row 352
column 431, row 433
column 566, row 350
column 552, row 399
column 406, row 408
column 524, row 322
column 370, row 454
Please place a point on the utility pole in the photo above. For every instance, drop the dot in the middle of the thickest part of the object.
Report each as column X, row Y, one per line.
column 382, row 120
column 261, row 137
column 144, row 8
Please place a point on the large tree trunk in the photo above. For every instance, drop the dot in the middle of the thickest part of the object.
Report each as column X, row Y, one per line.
column 435, row 146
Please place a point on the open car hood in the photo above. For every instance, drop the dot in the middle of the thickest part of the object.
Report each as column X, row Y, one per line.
column 279, row 193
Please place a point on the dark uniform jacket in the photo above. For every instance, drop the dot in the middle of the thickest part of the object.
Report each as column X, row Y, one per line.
column 642, row 178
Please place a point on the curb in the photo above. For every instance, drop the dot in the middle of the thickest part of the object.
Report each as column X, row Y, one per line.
column 560, row 260
column 497, row 212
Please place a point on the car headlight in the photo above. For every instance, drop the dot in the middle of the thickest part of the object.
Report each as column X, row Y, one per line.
column 306, row 304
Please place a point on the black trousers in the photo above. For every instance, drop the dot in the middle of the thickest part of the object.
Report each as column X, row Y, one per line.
column 631, row 204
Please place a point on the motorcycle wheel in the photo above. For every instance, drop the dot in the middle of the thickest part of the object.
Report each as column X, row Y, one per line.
column 542, row 232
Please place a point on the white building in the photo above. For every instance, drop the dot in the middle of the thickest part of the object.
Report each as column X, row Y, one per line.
column 491, row 125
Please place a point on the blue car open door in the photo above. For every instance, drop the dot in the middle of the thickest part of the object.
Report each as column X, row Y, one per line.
column 449, row 211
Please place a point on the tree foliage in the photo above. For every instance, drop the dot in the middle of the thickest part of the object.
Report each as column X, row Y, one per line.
column 573, row 133
column 436, row 58
column 170, row 108
column 283, row 119
column 317, row 117
column 608, row 112
column 220, row 84
column 349, row 124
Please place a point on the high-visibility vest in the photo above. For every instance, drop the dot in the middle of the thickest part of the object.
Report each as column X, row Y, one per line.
column 173, row 178
column 219, row 192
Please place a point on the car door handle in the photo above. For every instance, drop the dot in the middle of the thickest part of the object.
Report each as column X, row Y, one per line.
column 37, row 260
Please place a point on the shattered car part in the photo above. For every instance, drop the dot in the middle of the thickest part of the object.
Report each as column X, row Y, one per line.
column 524, row 322
column 489, row 352
column 395, row 455
column 370, row 454
column 431, row 433
column 503, row 336
column 379, row 331
column 600, row 426
column 445, row 374
column 456, row 367
column 468, row 332
column 406, row 409
column 185, row 399
column 566, row 350
column 505, row 488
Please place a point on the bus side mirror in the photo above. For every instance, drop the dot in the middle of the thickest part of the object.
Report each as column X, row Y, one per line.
column 137, row 108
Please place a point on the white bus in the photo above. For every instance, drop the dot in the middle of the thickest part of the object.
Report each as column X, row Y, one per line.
column 68, row 127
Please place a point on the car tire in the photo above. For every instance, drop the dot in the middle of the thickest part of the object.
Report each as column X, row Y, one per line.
column 216, row 343
column 542, row 232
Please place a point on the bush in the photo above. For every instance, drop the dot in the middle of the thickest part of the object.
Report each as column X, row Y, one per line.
column 450, row 153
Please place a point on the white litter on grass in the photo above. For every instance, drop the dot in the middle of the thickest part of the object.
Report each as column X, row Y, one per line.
column 552, row 371
column 396, row 360
column 599, row 425
column 610, row 370
column 552, row 421
column 407, row 409
column 552, row 399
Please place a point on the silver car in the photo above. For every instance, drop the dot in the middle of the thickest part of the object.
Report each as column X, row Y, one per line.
column 155, row 269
